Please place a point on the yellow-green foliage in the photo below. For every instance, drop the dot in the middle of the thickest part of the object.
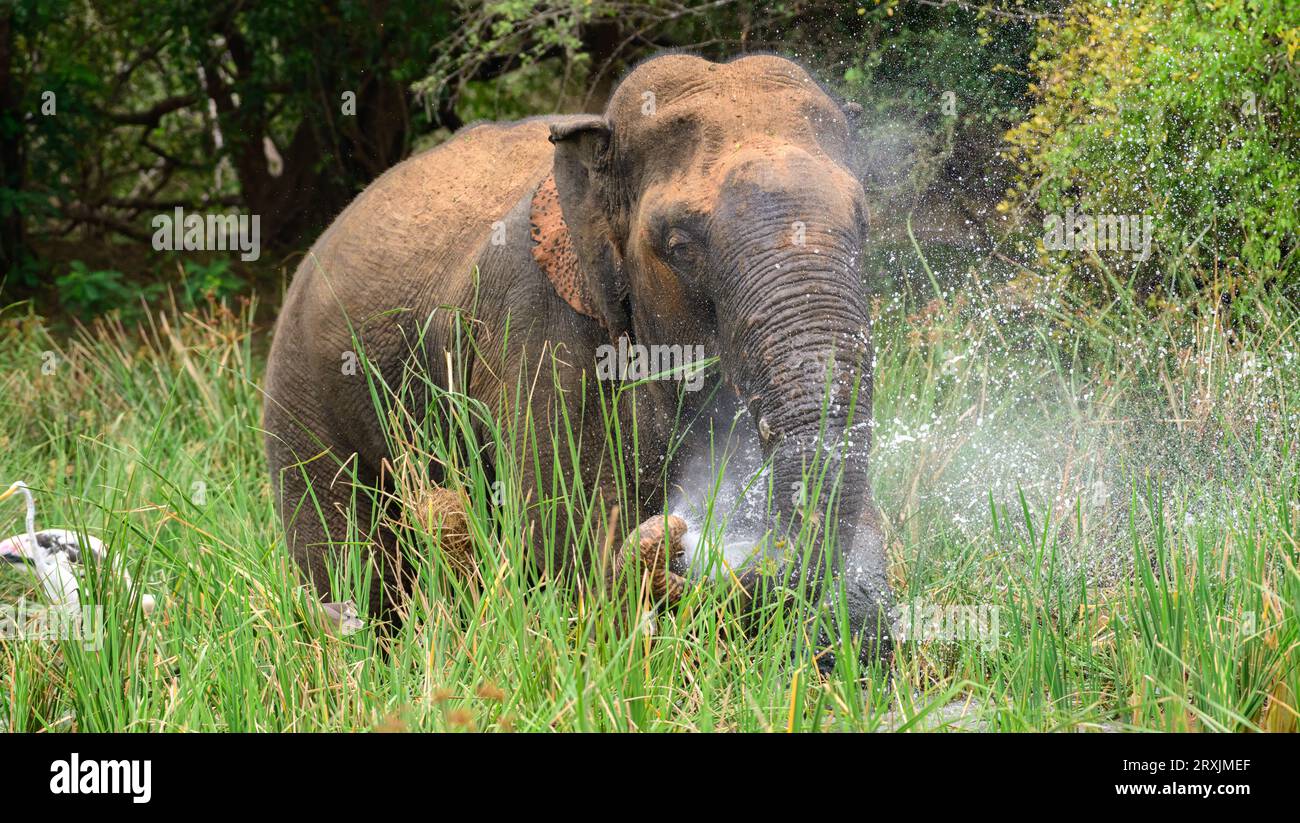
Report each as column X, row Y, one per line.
column 1184, row 110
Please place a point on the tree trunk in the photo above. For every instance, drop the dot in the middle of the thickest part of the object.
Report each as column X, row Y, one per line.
column 12, row 237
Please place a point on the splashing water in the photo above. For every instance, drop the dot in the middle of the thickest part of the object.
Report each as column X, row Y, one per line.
column 723, row 499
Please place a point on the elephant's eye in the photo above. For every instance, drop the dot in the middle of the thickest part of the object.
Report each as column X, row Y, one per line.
column 679, row 246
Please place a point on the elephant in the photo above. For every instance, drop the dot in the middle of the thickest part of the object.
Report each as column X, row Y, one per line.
column 712, row 204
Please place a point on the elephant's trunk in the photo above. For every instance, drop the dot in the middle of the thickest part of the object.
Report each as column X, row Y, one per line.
column 809, row 384
column 801, row 355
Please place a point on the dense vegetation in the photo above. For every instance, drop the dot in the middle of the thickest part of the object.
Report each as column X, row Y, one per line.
column 1100, row 447
column 115, row 113
column 1125, row 495
column 1183, row 111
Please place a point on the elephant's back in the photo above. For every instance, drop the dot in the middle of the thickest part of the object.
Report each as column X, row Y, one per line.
column 405, row 248
column 451, row 195
column 419, row 223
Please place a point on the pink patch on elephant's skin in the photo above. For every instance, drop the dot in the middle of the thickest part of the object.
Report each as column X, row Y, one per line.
column 553, row 249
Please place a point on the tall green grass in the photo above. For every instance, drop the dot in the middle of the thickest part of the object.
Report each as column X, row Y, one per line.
column 1119, row 483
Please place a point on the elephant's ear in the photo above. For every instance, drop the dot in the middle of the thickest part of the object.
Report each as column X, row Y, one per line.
column 583, row 187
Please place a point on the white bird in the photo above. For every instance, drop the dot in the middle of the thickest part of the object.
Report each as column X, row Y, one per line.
column 53, row 553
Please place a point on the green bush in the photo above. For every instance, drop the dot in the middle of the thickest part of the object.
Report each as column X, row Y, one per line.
column 85, row 291
column 1183, row 110
column 213, row 278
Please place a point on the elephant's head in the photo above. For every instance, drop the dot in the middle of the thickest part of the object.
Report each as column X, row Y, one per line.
column 714, row 203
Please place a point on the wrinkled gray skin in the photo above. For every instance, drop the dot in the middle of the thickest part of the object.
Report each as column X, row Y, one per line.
column 725, row 215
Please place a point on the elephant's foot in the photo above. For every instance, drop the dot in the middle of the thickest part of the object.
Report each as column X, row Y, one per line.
column 651, row 549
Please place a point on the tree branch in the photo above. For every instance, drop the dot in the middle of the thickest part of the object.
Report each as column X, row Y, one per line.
column 150, row 117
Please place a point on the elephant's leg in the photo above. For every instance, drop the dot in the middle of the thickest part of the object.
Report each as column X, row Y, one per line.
column 327, row 518
column 626, row 565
